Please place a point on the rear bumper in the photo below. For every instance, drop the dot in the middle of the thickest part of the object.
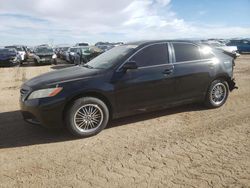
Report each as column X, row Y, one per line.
column 43, row 112
column 232, row 85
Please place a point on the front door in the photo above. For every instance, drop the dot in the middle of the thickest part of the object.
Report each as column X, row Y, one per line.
column 150, row 85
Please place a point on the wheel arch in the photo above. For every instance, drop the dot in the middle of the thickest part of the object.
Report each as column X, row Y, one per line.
column 94, row 94
column 228, row 79
column 224, row 77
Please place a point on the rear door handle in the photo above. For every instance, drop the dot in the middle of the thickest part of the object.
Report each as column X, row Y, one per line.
column 168, row 71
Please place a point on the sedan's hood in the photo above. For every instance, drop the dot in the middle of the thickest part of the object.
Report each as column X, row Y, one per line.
column 60, row 76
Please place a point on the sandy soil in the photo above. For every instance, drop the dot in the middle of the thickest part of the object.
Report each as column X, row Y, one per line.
column 187, row 146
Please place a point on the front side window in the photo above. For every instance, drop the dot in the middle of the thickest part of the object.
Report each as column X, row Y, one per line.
column 156, row 54
column 186, row 52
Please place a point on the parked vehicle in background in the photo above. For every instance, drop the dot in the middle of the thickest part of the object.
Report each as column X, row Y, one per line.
column 44, row 45
column 219, row 45
column 85, row 54
column 105, row 46
column 21, row 50
column 126, row 80
column 44, row 55
column 9, row 57
column 242, row 45
column 63, row 53
column 70, row 55
column 82, row 44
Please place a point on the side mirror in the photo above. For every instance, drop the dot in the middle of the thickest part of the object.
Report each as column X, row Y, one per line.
column 130, row 65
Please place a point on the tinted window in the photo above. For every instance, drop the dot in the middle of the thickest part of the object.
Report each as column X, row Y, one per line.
column 156, row 54
column 186, row 52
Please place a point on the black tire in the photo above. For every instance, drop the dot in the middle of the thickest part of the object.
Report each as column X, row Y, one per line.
column 76, row 106
column 209, row 102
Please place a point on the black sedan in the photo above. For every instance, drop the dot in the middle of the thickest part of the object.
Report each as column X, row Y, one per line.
column 128, row 79
column 9, row 57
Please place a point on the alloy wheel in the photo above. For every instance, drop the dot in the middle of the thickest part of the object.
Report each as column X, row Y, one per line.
column 88, row 118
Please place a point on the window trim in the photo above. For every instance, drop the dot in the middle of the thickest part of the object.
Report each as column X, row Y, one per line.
column 149, row 66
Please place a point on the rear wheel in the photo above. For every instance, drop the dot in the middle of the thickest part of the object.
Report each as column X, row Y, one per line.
column 87, row 116
column 217, row 94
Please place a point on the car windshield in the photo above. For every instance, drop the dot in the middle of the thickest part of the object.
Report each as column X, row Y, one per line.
column 85, row 49
column 18, row 48
column 65, row 48
column 73, row 49
column 109, row 58
column 44, row 50
column 7, row 51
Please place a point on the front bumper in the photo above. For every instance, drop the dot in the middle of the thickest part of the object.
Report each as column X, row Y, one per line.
column 44, row 61
column 47, row 112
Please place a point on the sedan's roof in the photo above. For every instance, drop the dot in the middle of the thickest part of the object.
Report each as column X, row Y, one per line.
column 147, row 42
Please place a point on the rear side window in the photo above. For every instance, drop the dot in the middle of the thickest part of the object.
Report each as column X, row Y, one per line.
column 186, row 52
column 156, row 54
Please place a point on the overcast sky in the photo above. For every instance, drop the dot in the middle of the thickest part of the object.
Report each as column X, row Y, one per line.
column 34, row 22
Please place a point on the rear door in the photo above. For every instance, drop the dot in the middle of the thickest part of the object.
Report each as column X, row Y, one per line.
column 191, row 70
column 148, row 86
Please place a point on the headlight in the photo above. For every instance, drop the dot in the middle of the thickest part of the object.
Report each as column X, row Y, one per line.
column 42, row 93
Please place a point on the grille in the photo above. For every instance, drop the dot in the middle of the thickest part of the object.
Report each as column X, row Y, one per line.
column 45, row 56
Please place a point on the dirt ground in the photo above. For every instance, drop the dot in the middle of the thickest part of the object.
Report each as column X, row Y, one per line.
column 187, row 146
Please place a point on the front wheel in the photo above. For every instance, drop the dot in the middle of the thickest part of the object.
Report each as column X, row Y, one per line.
column 87, row 116
column 217, row 94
